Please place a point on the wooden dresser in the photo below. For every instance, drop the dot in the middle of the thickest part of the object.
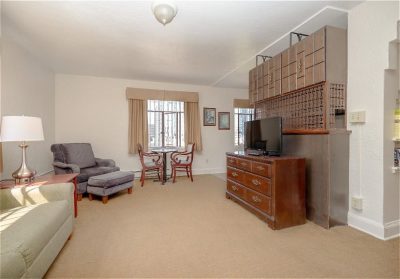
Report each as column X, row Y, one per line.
column 273, row 188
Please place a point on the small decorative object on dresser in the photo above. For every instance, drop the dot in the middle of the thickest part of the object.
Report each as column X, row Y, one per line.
column 209, row 116
column 224, row 121
column 273, row 188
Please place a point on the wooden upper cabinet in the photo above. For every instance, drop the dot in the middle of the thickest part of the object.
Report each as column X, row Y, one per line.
column 319, row 39
column 319, row 57
column 277, row 60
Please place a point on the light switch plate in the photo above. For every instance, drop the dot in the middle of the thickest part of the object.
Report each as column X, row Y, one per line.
column 357, row 117
column 357, row 202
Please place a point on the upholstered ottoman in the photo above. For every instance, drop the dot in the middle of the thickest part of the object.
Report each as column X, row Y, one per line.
column 110, row 183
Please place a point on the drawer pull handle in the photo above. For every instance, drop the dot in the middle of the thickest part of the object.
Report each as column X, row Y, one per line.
column 234, row 174
column 256, row 182
column 260, row 168
column 234, row 188
column 256, row 199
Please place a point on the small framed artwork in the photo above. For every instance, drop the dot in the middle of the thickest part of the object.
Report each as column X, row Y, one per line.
column 209, row 116
column 224, row 121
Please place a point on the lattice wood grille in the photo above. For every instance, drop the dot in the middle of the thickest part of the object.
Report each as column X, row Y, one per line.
column 306, row 109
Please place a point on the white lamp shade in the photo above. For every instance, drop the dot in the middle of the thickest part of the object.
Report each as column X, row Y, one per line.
column 21, row 128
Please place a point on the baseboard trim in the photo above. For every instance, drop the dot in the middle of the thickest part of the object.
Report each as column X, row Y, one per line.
column 209, row 171
column 384, row 232
column 392, row 229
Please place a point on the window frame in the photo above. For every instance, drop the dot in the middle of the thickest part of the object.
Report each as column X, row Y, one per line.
column 180, row 141
column 236, row 112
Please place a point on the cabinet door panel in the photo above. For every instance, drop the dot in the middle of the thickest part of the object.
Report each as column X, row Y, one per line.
column 285, row 71
column 260, row 71
column 309, row 61
column 309, row 78
column 285, row 58
column 299, row 47
column 292, row 82
column 319, row 72
column 319, row 39
column 265, row 95
column 277, row 87
column 309, row 45
column 300, row 65
column 285, row 85
column 300, row 82
column 319, row 56
column 265, row 68
column 292, row 54
column 292, row 68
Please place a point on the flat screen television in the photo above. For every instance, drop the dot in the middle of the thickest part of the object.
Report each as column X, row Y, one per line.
column 264, row 135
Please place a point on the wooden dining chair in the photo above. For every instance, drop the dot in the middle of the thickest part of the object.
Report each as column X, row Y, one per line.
column 151, row 162
column 182, row 161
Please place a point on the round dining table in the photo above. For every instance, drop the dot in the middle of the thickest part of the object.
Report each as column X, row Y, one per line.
column 164, row 151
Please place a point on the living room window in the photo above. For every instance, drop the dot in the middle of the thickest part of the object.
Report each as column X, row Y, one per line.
column 165, row 123
column 241, row 116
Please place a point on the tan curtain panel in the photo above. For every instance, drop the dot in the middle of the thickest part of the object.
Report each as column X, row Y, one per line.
column 137, row 125
column 155, row 94
column 193, row 125
column 241, row 103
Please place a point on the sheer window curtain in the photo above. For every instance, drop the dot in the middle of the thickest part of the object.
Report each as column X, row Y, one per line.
column 193, row 125
column 137, row 125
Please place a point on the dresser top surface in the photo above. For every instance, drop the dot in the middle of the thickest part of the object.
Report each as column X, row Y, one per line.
column 244, row 155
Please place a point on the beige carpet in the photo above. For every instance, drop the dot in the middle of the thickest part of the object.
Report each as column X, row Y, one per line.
column 190, row 230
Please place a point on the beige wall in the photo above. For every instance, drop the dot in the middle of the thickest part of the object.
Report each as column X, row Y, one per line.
column 95, row 110
column 27, row 88
column 371, row 26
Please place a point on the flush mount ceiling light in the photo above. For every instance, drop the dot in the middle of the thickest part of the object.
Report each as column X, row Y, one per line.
column 164, row 11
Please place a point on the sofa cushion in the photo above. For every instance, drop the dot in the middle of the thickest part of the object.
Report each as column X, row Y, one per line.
column 86, row 173
column 80, row 154
column 25, row 231
column 111, row 179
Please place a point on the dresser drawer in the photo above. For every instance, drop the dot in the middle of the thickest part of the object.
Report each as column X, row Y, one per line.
column 243, row 164
column 258, row 183
column 231, row 161
column 261, row 169
column 258, row 200
column 235, row 175
column 235, row 189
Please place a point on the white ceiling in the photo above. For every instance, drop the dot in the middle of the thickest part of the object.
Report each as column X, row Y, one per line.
column 208, row 43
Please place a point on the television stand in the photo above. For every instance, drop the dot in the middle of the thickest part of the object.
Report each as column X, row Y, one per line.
column 273, row 188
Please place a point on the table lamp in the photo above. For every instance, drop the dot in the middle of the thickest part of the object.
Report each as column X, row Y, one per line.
column 22, row 129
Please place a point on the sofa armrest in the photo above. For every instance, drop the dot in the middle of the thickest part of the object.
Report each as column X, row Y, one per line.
column 60, row 167
column 105, row 162
column 36, row 194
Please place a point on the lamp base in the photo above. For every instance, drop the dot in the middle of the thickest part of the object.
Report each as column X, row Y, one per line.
column 23, row 174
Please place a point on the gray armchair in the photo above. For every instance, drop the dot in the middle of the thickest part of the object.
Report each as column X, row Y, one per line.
column 79, row 158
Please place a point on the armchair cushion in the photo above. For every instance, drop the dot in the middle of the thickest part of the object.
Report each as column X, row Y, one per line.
column 105, row 162
column 80, row 154
column 74, row 168
column 89, row 172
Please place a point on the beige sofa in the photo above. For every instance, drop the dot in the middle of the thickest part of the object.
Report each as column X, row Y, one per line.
column 35, row 223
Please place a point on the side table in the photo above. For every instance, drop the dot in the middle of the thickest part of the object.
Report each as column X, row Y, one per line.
column 46, row 180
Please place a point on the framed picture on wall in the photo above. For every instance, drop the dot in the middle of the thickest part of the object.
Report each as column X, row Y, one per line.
column 224, row 121
column 209, row 116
